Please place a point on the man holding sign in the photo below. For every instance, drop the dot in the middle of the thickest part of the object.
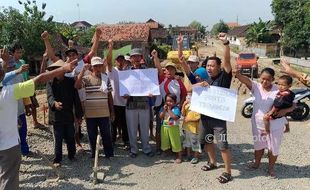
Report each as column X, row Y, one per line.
column 138, row 113
column 213, row 127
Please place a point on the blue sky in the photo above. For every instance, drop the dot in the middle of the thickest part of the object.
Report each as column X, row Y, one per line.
column 175, row 12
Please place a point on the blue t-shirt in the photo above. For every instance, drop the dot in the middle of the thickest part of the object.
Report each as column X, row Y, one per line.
column 168, row 121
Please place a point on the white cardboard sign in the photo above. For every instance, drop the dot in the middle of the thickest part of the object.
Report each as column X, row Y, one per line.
column 216, row 102
column 139, row 82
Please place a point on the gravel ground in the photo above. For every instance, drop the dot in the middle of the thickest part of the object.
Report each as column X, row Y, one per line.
column 160, row 172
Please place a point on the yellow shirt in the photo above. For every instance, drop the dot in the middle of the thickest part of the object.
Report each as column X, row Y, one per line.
column 191, row 126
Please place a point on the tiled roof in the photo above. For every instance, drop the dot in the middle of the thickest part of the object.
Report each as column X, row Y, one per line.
column 125, row 32
column 232, row 24
column 81, row 23
column 239, row 31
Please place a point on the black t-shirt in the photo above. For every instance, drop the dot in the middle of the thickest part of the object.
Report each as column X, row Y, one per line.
column 223, row 79
column 284, row 99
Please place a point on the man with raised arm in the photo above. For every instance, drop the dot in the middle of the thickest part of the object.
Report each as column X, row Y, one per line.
column 221, row 76
column 10, row 156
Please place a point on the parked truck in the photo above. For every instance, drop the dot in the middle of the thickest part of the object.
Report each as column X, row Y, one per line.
column 247, row 63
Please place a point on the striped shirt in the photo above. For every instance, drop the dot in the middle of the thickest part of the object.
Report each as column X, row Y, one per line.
column 97, row 89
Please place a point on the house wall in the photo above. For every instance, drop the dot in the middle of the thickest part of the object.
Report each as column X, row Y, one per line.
column 263, row 49
column 118, row 44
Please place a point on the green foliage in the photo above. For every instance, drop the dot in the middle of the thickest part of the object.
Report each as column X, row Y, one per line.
column 259, row 32
column 197, row 25
column 85, row 37
column 293, row 17
column 80, row 37
column 67, row 31
column 25, row 27
column 219, row 27
column 162, row 50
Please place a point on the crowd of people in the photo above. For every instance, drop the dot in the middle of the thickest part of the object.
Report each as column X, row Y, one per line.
column 87, row 87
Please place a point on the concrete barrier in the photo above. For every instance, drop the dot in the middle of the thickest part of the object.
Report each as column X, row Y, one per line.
column 296, row 61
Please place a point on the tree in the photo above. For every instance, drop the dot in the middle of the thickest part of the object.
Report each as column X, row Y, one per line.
column 68, row 31
column 197, row 25
column 219, row 27
column 259, row 32
column 85, row 37
column 25, row 27
column 293, row 18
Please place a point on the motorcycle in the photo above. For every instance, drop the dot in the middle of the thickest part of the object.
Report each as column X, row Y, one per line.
column 300, row 112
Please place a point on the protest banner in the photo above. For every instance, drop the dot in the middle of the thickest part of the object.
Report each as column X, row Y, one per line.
column 139, row 82
column 216, row 102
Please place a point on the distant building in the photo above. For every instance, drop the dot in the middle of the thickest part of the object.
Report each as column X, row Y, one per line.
column 236, row 36
column 138, row 34
column 158, row 33
column 81, row 25
column 232, row 25
column 185, row 31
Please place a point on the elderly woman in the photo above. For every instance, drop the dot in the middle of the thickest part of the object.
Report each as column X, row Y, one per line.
column 265, row 92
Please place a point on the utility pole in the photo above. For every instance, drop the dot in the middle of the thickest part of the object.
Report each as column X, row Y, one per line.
column 237, row 20
column 78, row 6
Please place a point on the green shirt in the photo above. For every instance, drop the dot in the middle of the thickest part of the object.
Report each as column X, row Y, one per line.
column 25, row 74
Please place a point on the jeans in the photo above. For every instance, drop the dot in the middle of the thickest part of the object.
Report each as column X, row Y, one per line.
column 23, row 134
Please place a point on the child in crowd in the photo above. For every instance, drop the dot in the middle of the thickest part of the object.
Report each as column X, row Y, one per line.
column 191, row 127
column 284, row 99
column 170, row 132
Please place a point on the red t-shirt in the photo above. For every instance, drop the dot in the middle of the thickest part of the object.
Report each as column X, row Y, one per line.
column 174, row 86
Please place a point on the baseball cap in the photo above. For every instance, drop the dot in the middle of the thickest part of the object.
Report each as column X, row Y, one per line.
column 96, row 61
column 193, row 58
column 71, row 50
column 136, row 51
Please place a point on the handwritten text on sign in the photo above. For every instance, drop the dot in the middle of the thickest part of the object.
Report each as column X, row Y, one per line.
column 216, row 102
column 138, row 82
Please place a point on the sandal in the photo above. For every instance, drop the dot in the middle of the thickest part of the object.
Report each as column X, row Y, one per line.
column 224, row 178
column 194, row 161
column 208, row 167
